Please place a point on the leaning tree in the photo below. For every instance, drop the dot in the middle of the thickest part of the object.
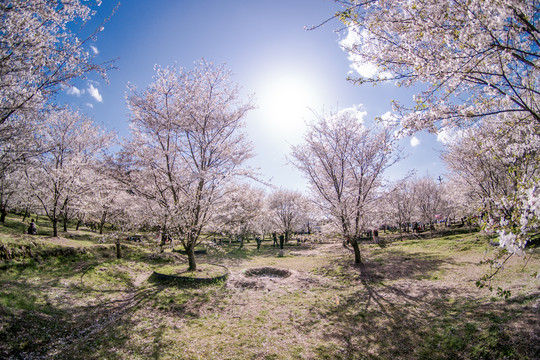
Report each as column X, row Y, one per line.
column 343, row 161
column 186, row 144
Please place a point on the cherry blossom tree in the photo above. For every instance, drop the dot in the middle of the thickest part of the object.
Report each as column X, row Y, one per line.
column 104, row 201
column 497, row 166
column 400, row 204
column 428, row 196
column 58, row 176
column 478, row 58
column 459, row 203
column 240, row 210
column 186, row 145
column 477, row 62
column 289, row 210
column 16, row 144
column 39, row 53
column 344, row 161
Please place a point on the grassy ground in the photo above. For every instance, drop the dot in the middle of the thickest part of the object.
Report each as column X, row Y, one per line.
column 413, row 299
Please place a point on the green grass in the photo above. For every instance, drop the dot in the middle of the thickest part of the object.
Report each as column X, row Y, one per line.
column 414, row 299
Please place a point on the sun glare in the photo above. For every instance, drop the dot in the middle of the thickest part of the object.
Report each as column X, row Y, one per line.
column 286, row 102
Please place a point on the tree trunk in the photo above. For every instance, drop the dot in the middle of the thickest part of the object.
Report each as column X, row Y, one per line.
column 241, row 241
column 356, row 248
column 102, row 223
column 55, row 227
column 191, row 258
column 118, row 249
column 65, row 223
column 78, row 225
column 3, row 215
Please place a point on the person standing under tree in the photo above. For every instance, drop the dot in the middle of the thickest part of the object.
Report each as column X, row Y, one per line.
column 281, row 241
column 32, row 229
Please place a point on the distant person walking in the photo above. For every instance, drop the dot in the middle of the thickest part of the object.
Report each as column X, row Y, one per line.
column 274, row 236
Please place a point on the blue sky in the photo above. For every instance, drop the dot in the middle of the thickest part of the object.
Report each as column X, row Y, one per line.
column 291, row 71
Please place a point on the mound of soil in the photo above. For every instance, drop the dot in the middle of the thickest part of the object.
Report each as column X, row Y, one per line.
column 268, row 271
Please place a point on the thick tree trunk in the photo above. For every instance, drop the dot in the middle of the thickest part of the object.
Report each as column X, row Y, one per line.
column 65, row 223
column 3, row 215
column 356, row 248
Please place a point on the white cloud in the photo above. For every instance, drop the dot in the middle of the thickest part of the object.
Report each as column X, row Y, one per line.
column 353, row 43
column 355, row 111
column 415, row 141
column 449, row 136
column 90, row 105
column 75, row 91
column 94, row 92
column 94, row 49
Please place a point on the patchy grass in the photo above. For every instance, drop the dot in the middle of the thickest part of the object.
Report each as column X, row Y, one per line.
column 413, row 299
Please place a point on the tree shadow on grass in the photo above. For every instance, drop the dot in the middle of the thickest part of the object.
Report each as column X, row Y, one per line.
column 411, row 319
column 233, row 256
column 75, row 330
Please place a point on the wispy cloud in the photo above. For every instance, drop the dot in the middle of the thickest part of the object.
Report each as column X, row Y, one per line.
column 75, row 91
column 90, row 105
column 415, row 141
column 94, row 92
column 94, row 49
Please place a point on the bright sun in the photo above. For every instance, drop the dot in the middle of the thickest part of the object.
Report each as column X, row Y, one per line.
column 286, row 101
